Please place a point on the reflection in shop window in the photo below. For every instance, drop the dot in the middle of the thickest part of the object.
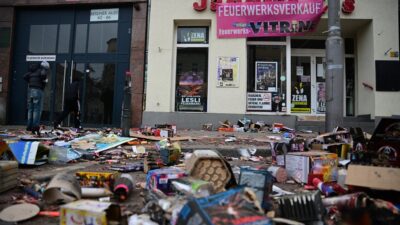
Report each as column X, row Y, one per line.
column 99, row 93
column 63, row 38
column 191, row 79
column 266, row 80
column 80, row 38
column 42, row 39
column 191, row 69
column 103, row 38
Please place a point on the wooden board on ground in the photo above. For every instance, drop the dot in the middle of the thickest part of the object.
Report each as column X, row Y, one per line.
column 36, row 138
column 153, row 138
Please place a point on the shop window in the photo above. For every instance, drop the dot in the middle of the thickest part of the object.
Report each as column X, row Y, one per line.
column 80, row 38
column 349, row 46
column 350, row 87
column 301, row 84
column 266, row 80
column 42, row 39
column 103, row 38
column 307, row 43
column 387, row 75
column 191, row 69
column 64, row 34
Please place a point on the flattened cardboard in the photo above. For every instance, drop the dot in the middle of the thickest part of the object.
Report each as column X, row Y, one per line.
column 26, row 152
column 154, row 138
column 20, row 212
column 62, row 188
column 381, row 178
column 103, row 146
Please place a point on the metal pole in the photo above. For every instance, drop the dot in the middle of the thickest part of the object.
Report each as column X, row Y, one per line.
column 335, row 69
column 126, row 108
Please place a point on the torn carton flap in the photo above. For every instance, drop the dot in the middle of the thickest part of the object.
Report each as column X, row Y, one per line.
column 62, row 188
column 29, row 153
column 381, row 178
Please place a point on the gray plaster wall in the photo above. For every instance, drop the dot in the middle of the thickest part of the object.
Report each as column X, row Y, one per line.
column 185, row 120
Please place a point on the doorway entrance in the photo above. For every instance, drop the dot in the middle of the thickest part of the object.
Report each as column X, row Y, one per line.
column 308, row 82
column 76, row 41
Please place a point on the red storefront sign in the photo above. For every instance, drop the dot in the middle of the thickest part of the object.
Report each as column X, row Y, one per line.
column 261, row 19
column 348, row 6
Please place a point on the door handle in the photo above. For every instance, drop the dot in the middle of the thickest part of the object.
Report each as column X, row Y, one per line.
column 63, row 92
column 72, row 71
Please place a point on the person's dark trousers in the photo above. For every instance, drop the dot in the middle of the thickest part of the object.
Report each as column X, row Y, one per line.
column 70, row 106
column 35, row 105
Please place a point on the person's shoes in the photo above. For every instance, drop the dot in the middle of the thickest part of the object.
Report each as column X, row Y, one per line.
column 56, row 126
column 36, row 131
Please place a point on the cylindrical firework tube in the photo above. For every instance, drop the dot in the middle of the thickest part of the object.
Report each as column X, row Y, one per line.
column 279, row 173
column 123, row 186
column 351, row 201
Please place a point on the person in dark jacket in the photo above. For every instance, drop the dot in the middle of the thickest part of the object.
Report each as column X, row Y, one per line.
column 71, row 103
column 36, row 79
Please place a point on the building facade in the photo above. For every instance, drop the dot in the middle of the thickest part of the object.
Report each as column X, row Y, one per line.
column 101, row 41
column 194, row 77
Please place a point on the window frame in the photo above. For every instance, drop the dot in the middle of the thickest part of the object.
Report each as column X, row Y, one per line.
column 175, row 64
column 288, row 74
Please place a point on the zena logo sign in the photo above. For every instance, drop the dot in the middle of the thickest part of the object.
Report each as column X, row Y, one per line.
column 259, row 19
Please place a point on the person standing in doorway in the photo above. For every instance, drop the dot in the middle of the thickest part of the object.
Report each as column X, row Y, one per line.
column 71, row 103
column 36, row 79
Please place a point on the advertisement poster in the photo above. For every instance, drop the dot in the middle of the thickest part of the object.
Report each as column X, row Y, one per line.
column 268, row 18
column 190, row 88
column 278, row 102
column 259, row 101
column 228, row 72
column 321, row 107
column 266, row 76
column 301, row 101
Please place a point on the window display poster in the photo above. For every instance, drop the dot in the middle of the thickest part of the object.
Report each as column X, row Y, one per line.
column 259, row 101
column 228, row 72
column 266, row 76
column 320, row 70
column 299, row 71
column 301, row 101
column 321, row 100
column 278, row 102
column 191, row 91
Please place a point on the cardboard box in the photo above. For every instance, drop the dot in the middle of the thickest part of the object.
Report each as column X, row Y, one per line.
column 214, row 210
column 161, row 179
column 261, row 181
column 300, row 164
column 89, row 212
column 341, row 149
column 385, row 143
column 97, row 179
column 380, row 178
column 210, row 166
column 8, row 175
